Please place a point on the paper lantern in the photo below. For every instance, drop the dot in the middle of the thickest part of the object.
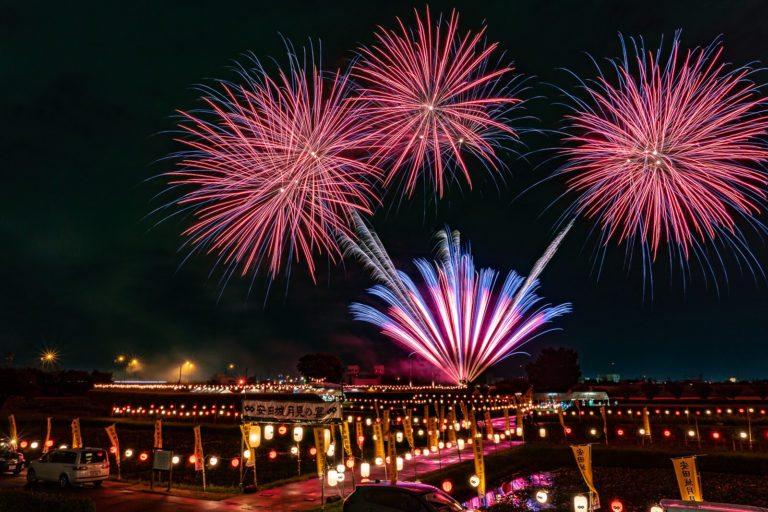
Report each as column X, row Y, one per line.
column 399, row 463
column 282, row 430
column 213, row 461
column 294, row 450
column 474, row 480
column 519, row 431
column 365, row 470
column 333, row 477
column 580, row 503
column 379, row 461
column 175, row 459
column 542, row 432
column 617, row 506
column 331, row 449
column 298, row 434
column 269, row 432
column 399, row 437
column 254, row 435
column 447, row 486
column 460, row 444
column 542, row 496
column 341, row 468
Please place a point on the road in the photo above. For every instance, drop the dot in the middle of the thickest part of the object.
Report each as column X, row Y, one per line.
column 116, row 496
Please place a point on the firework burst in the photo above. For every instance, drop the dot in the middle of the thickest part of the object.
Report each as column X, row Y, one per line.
column 431, row 97
column 458, row 319
column 274, row 168
column 669, row 153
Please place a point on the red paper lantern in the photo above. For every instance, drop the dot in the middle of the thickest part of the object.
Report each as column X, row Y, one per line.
column 143, row 456
column 313, row 451
column 235, row 462
column 192, row 459
column 272, row 454
column 620, row 432
column 447, row 486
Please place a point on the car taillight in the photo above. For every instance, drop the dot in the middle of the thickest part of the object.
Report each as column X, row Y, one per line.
column 105, row 465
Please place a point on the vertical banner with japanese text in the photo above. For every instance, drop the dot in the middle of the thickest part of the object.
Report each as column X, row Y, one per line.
column 378, row 441
column 77, row 440
column 488, row 424
column 688, row 478
column 477, row 449
column 408, row 430
column 158, row 434
column 583, row 455
column 319, row 448
column 112, row 434
column 392, row 454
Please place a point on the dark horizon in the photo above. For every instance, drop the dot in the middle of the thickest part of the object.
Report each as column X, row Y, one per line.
column 90, row 91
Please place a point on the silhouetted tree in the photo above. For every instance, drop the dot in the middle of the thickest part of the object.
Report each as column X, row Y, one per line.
column 556, row 369
column 675, row 388
column 321, row 366
column 702, row 389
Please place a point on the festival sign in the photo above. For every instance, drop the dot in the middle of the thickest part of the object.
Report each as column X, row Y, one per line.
column 199, row 466
column 583, row 455
column 392, row 454
column 385, row 421
column 159, row 435
column 477, row 448
column 77, row 440
column 408, row 429
column 283, row 411
column 378, row 441
column 359, row 437
column 320, row 448
column 688, row 478
column 344, row 427
column 112, row 434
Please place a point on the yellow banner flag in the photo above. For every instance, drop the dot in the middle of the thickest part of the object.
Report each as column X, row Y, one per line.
column 245, row 430
column 47, row 436
column 77, row 440
column 477, row 449
column 14, row 438
column 158, row 434
column 408, row 429
column 426, row 416
column 345, row 438
column 392, row 454
column 688, row 478
column 359, row 436
column 433, row 433
column 378, row 441
column 320, row 448
column 647, row 423
column 507, row 424
column 385, row 421
column 583, row 455
column 488, row 424
column 464, row 411
column 452, row 426
column 199, row 466
column 112, row 434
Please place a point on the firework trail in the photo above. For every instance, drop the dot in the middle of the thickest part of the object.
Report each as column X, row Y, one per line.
column 431, row 97
column 669, row 153
column 462, row 323
column 274, row 169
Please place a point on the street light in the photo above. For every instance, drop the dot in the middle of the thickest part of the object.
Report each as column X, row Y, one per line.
column 186, row 364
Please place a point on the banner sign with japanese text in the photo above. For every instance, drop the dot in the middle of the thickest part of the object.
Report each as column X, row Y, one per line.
column 291, row 411
column 687, row 478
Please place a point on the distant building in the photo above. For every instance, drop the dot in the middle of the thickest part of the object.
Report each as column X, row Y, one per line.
column 609, row 377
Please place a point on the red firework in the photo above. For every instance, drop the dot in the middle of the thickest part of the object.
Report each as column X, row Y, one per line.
column 671, row 154
column 274, row 167
column 430, row 97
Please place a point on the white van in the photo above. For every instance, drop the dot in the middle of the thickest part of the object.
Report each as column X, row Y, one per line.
column 70, row 466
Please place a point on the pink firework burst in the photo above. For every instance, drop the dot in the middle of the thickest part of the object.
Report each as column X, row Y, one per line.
column 431, row 97
column 670, row 154
column 274, row 168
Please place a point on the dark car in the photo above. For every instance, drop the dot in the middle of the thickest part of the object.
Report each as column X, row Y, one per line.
column 402, row 497
column 10, row 459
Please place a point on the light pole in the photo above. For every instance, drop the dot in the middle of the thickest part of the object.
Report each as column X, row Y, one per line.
column 186, row 364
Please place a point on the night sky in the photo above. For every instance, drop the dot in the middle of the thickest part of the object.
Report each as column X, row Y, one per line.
column 89, row 91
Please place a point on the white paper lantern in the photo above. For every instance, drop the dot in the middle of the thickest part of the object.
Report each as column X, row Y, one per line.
column 399, row 437
column 365, row 470
column 298, row 434
column 254, row 435
column 399, row 463
column 474, row 480
column 269, row 432
column 333, row 477
column 580, row 503
column 460, row 443
column 341, row 468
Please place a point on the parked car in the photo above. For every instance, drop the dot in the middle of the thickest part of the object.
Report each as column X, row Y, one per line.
column 70, row 466
column 11, row 460
column 402, row 497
